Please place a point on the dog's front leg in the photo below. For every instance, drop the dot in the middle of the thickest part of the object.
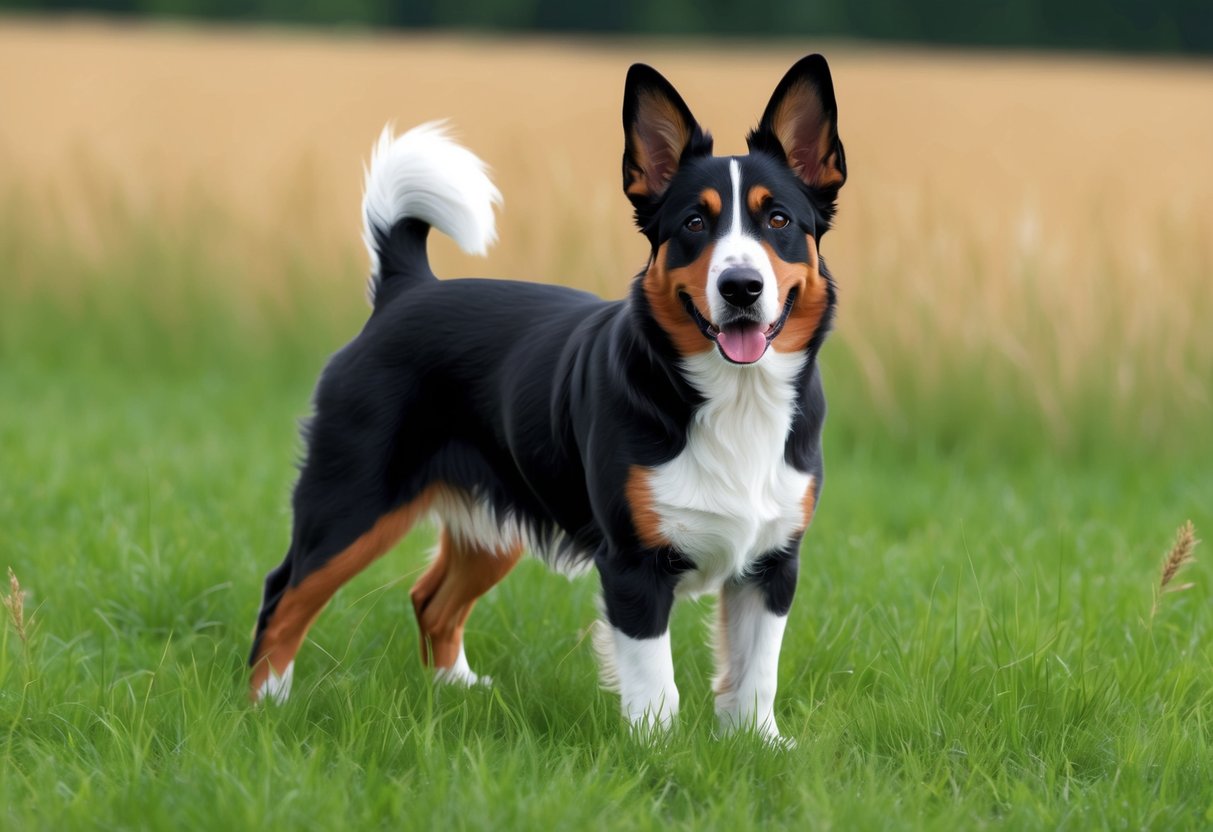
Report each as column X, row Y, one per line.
column 644, row 677
column 752, row 615
column 634, row 642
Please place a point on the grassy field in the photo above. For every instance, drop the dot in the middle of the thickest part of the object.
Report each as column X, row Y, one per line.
column 1020, row 406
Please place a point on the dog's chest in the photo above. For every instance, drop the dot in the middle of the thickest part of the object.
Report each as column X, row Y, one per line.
column 729, row 497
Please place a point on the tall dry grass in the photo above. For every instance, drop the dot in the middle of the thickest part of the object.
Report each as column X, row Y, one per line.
column 1016, row 228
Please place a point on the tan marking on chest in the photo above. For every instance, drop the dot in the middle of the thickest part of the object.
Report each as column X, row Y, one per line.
column 645, row 519
column 809, row 502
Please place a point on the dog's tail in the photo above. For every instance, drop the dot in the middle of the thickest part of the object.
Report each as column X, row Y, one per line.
column 415, row 181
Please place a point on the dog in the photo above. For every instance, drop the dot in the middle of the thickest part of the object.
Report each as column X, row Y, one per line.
column 672, row 439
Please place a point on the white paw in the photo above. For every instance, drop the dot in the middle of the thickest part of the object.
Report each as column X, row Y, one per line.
column 642, row 671
column 778, row 742
column 460, row 673
column 462, row 678
column 652, row 720
column 275, row 688
column 766, row 730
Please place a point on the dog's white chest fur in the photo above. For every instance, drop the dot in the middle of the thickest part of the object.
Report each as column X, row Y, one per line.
column 730, row 497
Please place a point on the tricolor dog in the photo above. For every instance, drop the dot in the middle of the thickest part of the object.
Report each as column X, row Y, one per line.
column 671, row 439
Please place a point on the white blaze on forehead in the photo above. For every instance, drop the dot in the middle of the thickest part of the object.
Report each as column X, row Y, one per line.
column 737, row 248
column 735, row 175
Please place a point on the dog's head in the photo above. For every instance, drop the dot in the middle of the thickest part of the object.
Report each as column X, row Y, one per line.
column 734, row 263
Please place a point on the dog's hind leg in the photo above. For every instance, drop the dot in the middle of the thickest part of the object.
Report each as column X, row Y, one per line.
column 444, row 596
column 297, row 591
column 359, row 491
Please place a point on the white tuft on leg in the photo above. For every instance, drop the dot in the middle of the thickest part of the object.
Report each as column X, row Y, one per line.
column 747, row 662
column 275, row 688
column 641, row 671
column 461, row 673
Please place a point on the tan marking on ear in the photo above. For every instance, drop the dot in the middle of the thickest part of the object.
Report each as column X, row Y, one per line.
column 807, row 159
column 444, row 596
column 657, row 149
column 645, row 520
column 637, row 185
column 759, row 194
column 301, row 604
column 661, row 287
column 809, row 503
column 710, row 198
column 811, row 303
column 828, row 173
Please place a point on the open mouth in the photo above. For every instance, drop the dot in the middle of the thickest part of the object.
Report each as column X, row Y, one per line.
column 741, row 342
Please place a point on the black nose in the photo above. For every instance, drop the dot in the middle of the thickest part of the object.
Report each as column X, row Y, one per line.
column 740, row 286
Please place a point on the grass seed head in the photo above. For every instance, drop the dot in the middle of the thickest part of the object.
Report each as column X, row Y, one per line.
column 14, row 602
column 1176, row 559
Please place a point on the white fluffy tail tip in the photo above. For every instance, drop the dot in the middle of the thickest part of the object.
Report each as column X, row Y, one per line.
column 424, row 175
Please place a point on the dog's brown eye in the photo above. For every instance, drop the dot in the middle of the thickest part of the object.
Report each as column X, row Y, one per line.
column 778, row 220
column 695, row 223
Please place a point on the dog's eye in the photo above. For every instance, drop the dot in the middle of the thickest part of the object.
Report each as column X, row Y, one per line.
column 778, row 220
column 694, row 223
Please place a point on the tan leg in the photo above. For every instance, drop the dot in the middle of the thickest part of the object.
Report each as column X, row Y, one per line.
column 444, row 596
column 302, row 603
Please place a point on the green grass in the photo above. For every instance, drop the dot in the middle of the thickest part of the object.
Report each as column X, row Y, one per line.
column 970, row 647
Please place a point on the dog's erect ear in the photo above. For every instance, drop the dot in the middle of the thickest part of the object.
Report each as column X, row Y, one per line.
column 659, row 134
column 801, row 125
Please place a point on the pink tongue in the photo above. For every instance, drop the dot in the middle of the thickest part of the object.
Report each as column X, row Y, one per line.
column 745, row 345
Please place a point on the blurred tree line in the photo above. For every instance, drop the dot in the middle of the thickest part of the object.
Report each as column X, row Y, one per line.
column 1176, row 26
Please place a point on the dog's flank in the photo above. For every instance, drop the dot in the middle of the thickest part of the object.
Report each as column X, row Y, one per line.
column 672, row 439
